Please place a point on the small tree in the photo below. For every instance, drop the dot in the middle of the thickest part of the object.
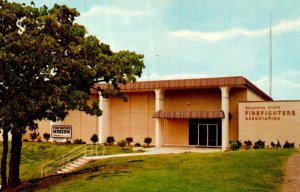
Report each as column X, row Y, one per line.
column 122, row 144
column 248, row 144
column 46, row 136
column 148, row 140
column 110, row 140
column 259, row 144
column 129, row 140
column 94, row 138
column 34, row 136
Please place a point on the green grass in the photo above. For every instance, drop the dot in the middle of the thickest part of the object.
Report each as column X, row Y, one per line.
column 253, row 170
column 35, row 154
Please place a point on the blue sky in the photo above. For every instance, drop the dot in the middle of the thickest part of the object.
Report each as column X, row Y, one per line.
column 200, row 38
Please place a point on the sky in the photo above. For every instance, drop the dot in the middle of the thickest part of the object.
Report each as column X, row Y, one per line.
column 202, row 38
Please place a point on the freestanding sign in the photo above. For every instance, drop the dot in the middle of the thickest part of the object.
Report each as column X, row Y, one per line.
column 61, row 131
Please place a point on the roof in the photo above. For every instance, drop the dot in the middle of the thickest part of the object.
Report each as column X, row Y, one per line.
column 188, row 114
column 237, row 81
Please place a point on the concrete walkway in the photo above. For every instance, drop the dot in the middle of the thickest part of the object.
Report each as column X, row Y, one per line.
column 160, row 150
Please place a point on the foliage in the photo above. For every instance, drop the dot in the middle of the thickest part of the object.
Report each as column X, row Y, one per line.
column 34, row 135
column 110, row 140
column 288, row 145
column 129, row 140
column 248, row 144
column 235, row 145
column 122, row 143
column 79, row 141
column 46, row 136
column 94, row 138
column 252, row 170
column 259, row 144
column 148, row 140
column 137, row 144
column 49, row 66
column 275, row 144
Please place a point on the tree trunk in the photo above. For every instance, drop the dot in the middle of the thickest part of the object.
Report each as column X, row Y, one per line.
column 4, row 160
column 14, row 163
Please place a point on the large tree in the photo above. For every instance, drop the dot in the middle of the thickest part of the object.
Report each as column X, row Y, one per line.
column 48, row 66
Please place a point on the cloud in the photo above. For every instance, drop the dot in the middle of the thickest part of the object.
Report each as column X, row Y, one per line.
column 116, row 11
column 283, row 26
column 281, row 87
column 173, row 76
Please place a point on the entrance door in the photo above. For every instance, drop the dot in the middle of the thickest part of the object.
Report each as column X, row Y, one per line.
column 205, row 134
column 208, row 135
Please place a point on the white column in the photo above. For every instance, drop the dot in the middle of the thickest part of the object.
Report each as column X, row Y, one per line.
column 103, row 121
column 225, row 120
column 159, row 123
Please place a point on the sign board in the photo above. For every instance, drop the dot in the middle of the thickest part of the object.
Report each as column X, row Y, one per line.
column 61, row 131
column 270, row 121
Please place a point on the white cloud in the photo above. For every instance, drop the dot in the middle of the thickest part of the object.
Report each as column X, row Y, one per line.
column 116, row 11
column 282, row 89
column 283, row 26
column 172, row 76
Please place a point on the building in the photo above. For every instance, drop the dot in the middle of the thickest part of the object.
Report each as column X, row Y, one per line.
column 206, row 112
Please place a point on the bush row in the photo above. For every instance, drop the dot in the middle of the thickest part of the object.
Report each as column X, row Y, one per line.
column 235, row 145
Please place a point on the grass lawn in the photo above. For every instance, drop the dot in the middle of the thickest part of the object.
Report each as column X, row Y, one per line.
column 35, row 154
column 253, row 170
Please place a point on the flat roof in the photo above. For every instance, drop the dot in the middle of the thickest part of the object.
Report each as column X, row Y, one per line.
column 233, row 81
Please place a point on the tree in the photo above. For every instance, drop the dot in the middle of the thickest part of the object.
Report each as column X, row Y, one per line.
column 121, row 143
column 46, row 136
column 34, row 135
column 94, row 138
column 129, row 140
column 148, row 140
column 48, row 66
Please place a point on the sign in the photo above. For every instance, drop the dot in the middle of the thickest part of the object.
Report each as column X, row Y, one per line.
column 267, row 112
column 61, row 131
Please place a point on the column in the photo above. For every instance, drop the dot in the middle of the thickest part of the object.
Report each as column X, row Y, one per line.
column 159, row 123
column 225, row 120
column 103, row 121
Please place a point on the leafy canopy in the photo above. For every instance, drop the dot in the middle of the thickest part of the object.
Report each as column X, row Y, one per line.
column 48, row 65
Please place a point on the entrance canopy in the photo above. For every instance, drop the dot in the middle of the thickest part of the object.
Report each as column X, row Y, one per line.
column 188, row 114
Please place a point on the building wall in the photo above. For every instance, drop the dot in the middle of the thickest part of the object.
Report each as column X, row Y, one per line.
column 133, row 118
column 252, row 96
column 193, row 100
column 177, row 132
column 269, row 121
column 235, row 96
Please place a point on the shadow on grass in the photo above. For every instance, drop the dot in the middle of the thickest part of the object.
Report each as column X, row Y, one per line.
column 45, row 182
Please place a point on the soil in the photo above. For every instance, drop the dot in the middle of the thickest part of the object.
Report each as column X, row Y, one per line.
column 292, row 174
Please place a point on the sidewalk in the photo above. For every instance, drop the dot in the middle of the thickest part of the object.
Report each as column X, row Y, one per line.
column 160, row 150
column 292, row 174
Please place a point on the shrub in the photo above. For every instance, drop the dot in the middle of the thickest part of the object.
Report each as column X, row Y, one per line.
column 110, row 140
column 239, row 143
column 78, row 141
column 148, row 140
column 25, row 140
column 122, row 143
column 248, row 144
column 94, row 138
column 234, row 145
column 259, row 144
column 288, row 145
column 129, row 140
column 39, row 139
column 34, row 136
column 137, row 144
column 275, row 144
column 46, row 136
